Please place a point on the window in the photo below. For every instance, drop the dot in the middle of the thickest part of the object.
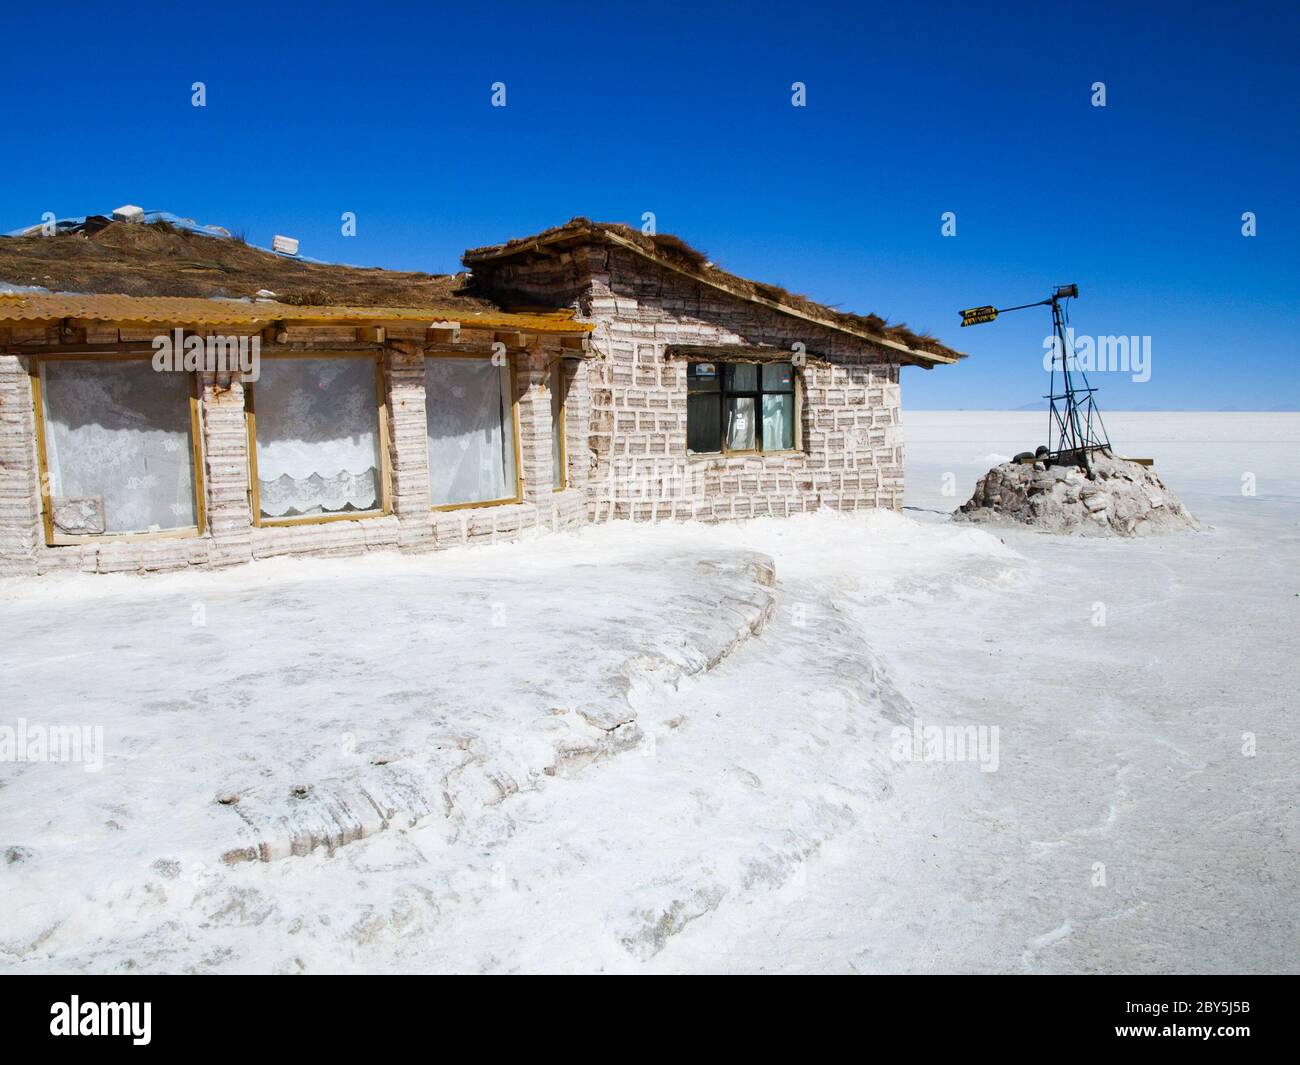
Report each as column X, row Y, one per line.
column 469, row 411
column 317, row 450
column 117, row 442
column 559, row 455
column 739, row 406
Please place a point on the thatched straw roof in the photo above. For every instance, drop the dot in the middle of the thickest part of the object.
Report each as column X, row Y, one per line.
column 157, row 259
column 674, row 253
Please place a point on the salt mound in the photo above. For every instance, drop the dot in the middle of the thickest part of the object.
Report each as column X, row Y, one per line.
column 1121, row 498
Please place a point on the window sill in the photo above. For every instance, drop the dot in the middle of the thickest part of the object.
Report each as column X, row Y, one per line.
column 474, row 506
column 318, row 519
column 62, row 540
column 705, row 456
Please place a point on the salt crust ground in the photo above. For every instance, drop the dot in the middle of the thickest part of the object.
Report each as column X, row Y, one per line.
column 757, row 823
column 1125, row 830
column 322, row 701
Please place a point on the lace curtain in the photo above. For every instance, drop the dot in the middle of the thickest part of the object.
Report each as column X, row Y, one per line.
column 470, row 431
column 118, row 446
column 317, row 436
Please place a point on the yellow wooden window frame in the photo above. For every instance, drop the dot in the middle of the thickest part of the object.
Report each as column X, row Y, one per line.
column 514, row 419
column 55, row 539
column 385, row 457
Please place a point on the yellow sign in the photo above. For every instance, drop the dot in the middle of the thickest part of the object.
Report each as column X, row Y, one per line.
column 978, row 315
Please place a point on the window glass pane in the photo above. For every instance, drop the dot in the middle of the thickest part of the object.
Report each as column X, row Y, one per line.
column 317, row 437
column 778, row 422
column 703, row 424
column 740, row 424
column 742, row 377
column 557, row 424
column 702, row 377
column 778, row 377
column 118, row 446
column 471, row 429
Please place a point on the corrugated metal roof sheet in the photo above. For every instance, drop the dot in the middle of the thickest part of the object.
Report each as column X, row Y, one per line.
column 183, row 311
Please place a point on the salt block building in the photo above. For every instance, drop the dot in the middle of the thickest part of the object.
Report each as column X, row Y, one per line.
column 584, row 374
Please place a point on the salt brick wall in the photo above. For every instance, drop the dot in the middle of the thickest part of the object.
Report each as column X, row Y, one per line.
column 625, row 415
column 533, row 396
column 852, row 446
column 225, row 473
column 577, row 421
column 20, row 516
column 408, row 432
column 231, row 538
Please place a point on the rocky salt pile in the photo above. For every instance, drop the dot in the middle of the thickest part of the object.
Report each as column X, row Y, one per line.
column 1121, row 498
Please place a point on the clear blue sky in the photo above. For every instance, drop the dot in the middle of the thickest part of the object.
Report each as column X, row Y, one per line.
column 684, row 110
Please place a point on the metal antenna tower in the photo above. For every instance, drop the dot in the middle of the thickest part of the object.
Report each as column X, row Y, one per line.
column 1075, row 430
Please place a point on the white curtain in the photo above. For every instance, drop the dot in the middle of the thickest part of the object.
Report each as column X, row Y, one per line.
column 471, row 431
column 317, row 436
column 740, row 423
column 778, row 424
column 118, row 446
